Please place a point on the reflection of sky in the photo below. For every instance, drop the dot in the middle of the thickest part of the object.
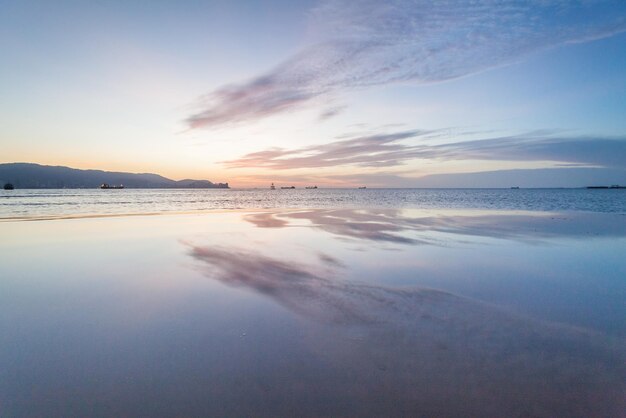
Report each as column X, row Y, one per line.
column 555, row 265
column 176, row 308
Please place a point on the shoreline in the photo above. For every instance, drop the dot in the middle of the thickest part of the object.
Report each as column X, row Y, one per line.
column 424, row 211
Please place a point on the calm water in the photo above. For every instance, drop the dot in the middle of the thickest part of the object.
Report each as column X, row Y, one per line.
column 43, row 203
column 419, row 303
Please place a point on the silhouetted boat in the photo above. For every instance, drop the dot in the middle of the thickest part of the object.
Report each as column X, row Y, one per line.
column 362, row 187
column 8, row 186
column 288, row 187
column 272, row 187
column 311, row 187
column 106, row 186
column 613, row 186
column 514, row 187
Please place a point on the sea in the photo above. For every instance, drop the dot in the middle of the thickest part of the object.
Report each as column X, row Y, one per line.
column 313, row 303
column 74, row 202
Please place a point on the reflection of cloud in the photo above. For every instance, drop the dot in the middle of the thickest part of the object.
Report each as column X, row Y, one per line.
column 367, row 225
column 387, row 150
column 369, row 42
column 434, row 351
column 307, row 291
column 387, row 225
column 297, row 287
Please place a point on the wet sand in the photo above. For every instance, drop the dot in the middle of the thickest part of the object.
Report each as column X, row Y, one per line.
column 314, row 313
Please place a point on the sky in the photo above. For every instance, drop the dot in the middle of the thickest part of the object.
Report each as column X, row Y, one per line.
column 403, row 93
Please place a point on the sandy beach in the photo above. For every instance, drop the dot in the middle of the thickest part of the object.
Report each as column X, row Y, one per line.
column 314, row 313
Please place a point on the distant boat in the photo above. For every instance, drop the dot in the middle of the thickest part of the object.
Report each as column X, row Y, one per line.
column 272, row 187
column 362, row 187
column 311, row 187
column 288, row 187
column 514, row 187
column 8, row 186
column 106, row 186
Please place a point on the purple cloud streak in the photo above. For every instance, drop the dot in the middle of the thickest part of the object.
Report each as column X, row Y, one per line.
column 388, row 150
column 368, row 42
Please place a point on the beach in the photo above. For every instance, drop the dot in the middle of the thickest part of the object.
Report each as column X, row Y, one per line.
column 314, row 312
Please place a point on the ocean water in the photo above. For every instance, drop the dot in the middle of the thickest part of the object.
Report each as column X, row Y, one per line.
column 421, row 303
column 64, row 202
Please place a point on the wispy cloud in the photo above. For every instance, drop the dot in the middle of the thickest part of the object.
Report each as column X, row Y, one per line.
column 373, row 150
column 370, row 42
column 388, row 150
column 530, row 177
column 331, row 112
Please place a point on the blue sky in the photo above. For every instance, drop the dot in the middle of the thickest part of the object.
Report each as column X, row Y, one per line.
column 224, row 89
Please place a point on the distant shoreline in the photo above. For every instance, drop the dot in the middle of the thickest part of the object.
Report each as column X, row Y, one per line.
column 37, row 176
column 327, row 188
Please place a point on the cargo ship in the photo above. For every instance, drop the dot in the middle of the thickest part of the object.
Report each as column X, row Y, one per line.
column 107, row 186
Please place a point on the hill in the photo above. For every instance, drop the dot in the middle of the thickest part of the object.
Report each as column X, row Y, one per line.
column 35, row 176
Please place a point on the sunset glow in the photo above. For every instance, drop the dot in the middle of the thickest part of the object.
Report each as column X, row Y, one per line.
column 202, row 91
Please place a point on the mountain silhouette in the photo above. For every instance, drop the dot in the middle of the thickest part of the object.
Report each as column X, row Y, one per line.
column 36, row 176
